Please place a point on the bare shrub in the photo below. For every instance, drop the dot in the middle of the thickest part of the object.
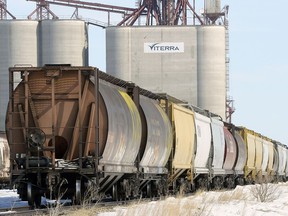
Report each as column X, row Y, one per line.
column 55, row 208
column 265, row 192
column 91, row 196
column 89, row 202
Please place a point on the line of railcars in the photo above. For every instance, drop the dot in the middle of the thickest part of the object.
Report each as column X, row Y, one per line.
column 71, row 129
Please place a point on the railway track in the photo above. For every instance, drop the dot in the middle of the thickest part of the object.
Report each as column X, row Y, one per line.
column 24, row 210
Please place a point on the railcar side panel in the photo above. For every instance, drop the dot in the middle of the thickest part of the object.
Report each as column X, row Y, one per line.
column 124, row 128
column 282, row 159
column 230, row 151
column 203, row 132
column 259, row 153
column 251, row 148
column 242, row 154
column 159, row 137
column 271, row 158
column 218, row 146
column 275, row 160
column 184, row 137
column 265, row 157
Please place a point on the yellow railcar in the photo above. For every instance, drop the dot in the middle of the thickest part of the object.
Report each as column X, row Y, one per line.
column 258, row 157
column 185, row 142
column 249, row 139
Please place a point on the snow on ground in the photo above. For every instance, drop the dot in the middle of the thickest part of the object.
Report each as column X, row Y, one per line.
column 9, row 199
column 240, row 201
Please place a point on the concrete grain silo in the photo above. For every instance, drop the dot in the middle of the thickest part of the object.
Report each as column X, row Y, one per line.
column 63, row 42
column 162, row 59
column 212, row 69
column 36, row 43
column 187, row 62
column 18, row 46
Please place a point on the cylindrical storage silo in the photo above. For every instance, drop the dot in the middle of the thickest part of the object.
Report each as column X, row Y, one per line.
column 63, row 42
column 211, row 69
column 18, row 46
column 161, row 59
column 118, row 52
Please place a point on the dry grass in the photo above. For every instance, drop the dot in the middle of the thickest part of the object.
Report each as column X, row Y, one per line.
column 200, row 204
column 199, row 192
column 91, row 211
column 225, row 197
column 237, row 194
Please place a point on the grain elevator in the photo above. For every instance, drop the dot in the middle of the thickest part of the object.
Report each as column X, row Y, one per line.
column 185, row 60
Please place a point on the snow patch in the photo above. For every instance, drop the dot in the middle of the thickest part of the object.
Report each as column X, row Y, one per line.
column 239, row 201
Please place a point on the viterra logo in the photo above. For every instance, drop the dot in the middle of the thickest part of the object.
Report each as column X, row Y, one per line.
column 163, row 47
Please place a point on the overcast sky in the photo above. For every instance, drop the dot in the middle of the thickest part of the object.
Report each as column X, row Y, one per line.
column 258, row 58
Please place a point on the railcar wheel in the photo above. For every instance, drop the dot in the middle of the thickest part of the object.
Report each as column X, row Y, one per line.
column 240, row 181
column 230, row 183
column 203, row 183
column 182, row 188
column 33, row 197
column 163, row 188
column 193, row 187
column 217, row 183
column 126, row 188
column 249, row 180
column 78, row 192
column 149, row 190
column 135, row 190
column 115, row 192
